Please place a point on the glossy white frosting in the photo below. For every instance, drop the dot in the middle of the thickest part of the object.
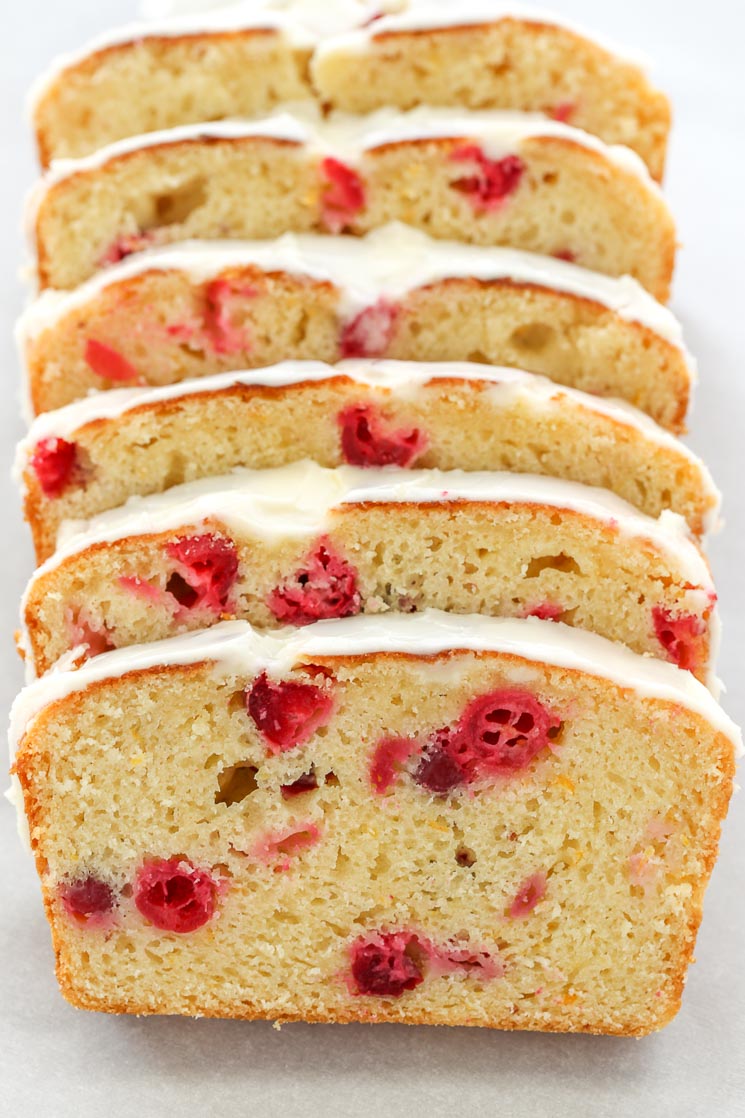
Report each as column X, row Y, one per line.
column 406, row 379
column 388, row 262
column 348, row 138
column 298, row 500
column 329, row 25
column 425, row 15
column 235, row 649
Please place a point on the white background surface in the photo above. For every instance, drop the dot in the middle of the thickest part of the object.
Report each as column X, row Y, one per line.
column 57, row 1062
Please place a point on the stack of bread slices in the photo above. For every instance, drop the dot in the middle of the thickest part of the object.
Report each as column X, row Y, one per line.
column 371, row 649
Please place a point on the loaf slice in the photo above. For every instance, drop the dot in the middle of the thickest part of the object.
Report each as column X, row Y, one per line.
column 144, row 77
column 421, row 819
column 494, row 57
column 302, row 543
column 484, row 178
column 93, row 455
column 170, row 314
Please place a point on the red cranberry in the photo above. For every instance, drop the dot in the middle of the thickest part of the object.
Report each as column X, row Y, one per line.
column 211, row 568
column 369, row 334
column 528, row 895
column 95, row 637
column 308, row 782
column 563, row 111
column 383, row 966
column 546, row 611
column 108, row 363
column 174, row 895
column 224, row 337
column 439, row 770
column 286, row 712
column 680, row 636
column 366, row 441
column 53, row 462
column 87, row 896
column 125, row 245
column 501, row 733
column 324, row 587
column 343, row 194
column 492, row 181
column 390, row 754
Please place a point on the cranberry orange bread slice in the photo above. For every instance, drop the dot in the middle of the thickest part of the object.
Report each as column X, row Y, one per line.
column 193, row 310
column 302, row 544
column 149, row 76
column 483, row 178
column 93, row 455
column 421, row 818
column 493, row 57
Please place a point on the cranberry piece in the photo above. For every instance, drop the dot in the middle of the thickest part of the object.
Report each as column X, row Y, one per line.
column 493, row 180
column 563, row 111
column 546, row 611
column 86, row 897
column 308, row 782
column 439, row 771
column 343, row 194
column 286, row 712
column 680, row 636
column 325, row 586
column 211, row 568
column 369, row 334
column 565, row 254
column 366, row 441
column 528, row 895
column 224, row 337
column 287, row 845
column 390, row 754
column 108, row 363
column 383, row 966
column 53, row 462
column 501, row 733
column 125, row 245
column 96, row 638
column 174, row 895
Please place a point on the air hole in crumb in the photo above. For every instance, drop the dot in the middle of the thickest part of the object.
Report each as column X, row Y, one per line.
column 236, row 783
column 464, row 856
column 559, row 562
column 177, row 205
column 179, row 588
column 534, row 336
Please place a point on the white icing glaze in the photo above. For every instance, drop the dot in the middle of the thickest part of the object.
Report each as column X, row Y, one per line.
column 389, row 261
column 14, row 796
column 235, row 649
column 334, row 26
column 403, row 378
column 298, row 500
column 349, row 137
column 424, row 15
column 279, row 126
